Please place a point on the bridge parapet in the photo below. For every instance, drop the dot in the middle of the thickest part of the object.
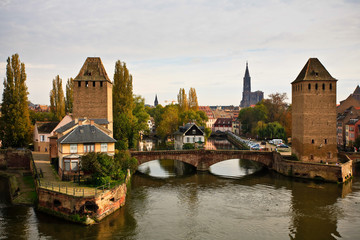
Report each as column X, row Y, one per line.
column 203, row 159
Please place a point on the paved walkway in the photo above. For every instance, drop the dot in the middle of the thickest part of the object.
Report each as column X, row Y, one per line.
column 51, row 180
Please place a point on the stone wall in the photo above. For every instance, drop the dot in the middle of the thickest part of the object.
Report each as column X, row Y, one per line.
column 96, row 207
column 15, row 159
column 327, row 172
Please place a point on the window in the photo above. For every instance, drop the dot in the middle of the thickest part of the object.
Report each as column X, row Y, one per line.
column 74, row 165
column 187, row 139
column 330, row 86
column 323, row 86
column 309, row 86
column 312, row 141
column 311, row 157
column 325, row 141
column 316, row 86
column 79, row 84
column 42, row 138
column 86, row 84
column 194, row 131
column 93, row 83
column 89, row 147
column 101, row 84
column 67, row 165
column 73, row 148
column 104, row 147
column 351, row 135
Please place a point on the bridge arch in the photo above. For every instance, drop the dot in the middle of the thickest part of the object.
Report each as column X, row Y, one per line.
column 203, row 159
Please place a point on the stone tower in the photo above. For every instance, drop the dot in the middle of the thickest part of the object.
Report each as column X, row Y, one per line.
column 93, row 92
column 314, row 114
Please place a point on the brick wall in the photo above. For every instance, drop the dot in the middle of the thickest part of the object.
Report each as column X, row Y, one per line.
column 15, row 159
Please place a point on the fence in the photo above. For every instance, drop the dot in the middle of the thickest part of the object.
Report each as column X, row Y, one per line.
column 68, row 188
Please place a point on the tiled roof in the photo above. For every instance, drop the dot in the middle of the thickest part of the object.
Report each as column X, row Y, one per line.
column 86, row 134
column 99, row 121
column 223, row 121
column 313, row 70
column 184, row 129
column 92, row 70
column 46, row 127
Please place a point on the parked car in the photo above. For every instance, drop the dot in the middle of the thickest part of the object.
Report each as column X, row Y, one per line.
column 263, row 142
column 282, row 145
column 276, row 141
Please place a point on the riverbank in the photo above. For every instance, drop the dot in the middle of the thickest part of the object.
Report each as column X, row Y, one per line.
column 21, row 187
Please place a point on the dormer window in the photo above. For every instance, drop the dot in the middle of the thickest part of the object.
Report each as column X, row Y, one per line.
column 194, row 131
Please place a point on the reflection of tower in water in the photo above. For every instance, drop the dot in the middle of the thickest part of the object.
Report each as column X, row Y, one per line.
column 314, row 210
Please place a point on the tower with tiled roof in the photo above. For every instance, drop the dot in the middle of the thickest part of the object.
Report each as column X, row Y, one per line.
column 314, row 114
column 93, row 92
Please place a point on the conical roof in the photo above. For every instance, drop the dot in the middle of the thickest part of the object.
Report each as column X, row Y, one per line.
column 92, row 70
column 357, row 90
column 314, row 71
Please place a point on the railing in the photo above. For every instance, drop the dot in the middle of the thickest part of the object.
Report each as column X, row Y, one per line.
column 69, row 188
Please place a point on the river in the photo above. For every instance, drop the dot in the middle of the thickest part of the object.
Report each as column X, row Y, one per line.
column 238, row 200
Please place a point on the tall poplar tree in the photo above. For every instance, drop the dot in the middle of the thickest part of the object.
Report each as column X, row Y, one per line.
column 57, row 99
column 69, row 99
column 182, row 100
column 193, row 102
column 15, row 127
column 123, row 107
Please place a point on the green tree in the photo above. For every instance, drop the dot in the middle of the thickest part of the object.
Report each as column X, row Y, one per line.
column 69, row 100
column 182, row 100
column 357, row 142
column 193, row 102
column 250, row 116
column 57, row 99
column 140, row 118
column 15, row 127
column 123, row 106
column 169, row 123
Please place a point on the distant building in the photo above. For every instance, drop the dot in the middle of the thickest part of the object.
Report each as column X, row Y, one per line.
column 156, row 101
column 190, row 133
column 42, row 132
column 223, row 125
column 347, row 111
column 249, row 98
column 314, row 114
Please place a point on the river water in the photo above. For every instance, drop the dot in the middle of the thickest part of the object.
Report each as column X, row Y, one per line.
column 237, row 200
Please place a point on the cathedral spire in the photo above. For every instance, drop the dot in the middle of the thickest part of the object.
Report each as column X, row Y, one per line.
column 156, row 101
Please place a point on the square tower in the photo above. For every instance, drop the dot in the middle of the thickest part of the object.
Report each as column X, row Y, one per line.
column 93, row 92
column 314, row 114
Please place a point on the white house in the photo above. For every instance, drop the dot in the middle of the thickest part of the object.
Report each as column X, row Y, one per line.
column 190, row 133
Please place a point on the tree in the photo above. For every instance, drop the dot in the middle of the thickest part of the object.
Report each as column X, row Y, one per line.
column 69, row 100
column 140, row 118
column 169, row 123
column 182, row 100
column 122, row 106
column 193, row 102
column 15, row 127
column 57, row 99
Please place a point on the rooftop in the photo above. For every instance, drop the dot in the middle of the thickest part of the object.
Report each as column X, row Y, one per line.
column 92, row 70
column 314, row 71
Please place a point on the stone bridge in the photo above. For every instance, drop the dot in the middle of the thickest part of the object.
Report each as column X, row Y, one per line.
column 203, row 159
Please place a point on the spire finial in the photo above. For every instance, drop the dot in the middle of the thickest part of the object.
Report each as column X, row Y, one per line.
column 246, row 63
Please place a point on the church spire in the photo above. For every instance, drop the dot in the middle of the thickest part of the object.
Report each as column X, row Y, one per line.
column 156, row 101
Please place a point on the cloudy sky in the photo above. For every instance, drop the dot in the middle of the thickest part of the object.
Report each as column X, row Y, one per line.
column 168, row 45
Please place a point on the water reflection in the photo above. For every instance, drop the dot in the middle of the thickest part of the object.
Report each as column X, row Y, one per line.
column 265, row 205
column 219, row 143
column 166, row 168
column 235, row 168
